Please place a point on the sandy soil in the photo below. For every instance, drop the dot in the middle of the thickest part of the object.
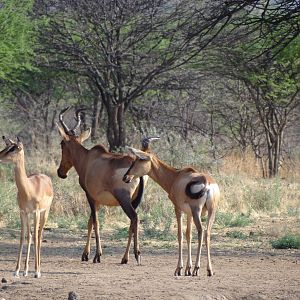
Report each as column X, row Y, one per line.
column 244, row 273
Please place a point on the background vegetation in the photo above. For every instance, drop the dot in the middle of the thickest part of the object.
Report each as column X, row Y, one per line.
column 217, row 80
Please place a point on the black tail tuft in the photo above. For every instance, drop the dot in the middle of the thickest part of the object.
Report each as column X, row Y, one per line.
column 138, row 199
column 195, row 195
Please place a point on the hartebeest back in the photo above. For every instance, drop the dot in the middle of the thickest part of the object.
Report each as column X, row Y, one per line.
column 190, row 191
column 100, row 175
column 35, row 194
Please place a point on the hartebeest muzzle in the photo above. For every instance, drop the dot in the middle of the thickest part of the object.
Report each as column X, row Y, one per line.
column 60, row 174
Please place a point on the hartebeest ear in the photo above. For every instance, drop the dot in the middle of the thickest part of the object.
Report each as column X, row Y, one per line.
column 140, row 154
column 62, row 133
column 85, row 135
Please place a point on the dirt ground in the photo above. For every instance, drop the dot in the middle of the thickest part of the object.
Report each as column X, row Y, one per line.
column 240, row 273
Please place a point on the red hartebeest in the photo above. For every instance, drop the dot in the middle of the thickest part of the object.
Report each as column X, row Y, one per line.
column 191, row 192
column 35, row 194
column 100, row 176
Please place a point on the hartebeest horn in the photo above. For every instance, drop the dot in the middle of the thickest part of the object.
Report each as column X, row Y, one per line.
column 78, row 118
column 146, row 141
column 63, row 124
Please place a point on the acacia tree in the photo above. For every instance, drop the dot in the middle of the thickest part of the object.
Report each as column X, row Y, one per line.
column 123, row 46
column 16, row 39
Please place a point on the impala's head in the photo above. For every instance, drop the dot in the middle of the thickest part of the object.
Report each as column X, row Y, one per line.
column 140, row 166
column 13, row 151
column 69, row 139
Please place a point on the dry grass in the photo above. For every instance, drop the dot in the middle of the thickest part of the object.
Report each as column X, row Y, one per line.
column 243, row 192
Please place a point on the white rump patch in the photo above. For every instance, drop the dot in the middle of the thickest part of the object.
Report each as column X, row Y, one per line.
column 196, row 188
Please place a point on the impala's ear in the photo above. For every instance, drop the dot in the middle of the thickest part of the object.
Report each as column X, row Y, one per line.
column 85, row 135
column 62, row 133
column 7, row 141
column 140, row 154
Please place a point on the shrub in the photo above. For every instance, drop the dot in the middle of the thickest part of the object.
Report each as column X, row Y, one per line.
column 237, row 235
column 227, row 219
column 289, row 241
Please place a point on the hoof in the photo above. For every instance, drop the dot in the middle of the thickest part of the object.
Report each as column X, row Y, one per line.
column 178, row 271
column 96, row 258
column 210, row 273
column 124, row 261
column 138, row 258
column 25, row 274
column 196, row 271
column 37, row 275
column 85, row 256
column 188, row 271
column 16, row 274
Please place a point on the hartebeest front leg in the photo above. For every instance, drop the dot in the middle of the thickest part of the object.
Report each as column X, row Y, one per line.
column 124, row 198
column 179, row 236
column 87, row 248
column 94, row 214
column 196, row 212
column 126, row 254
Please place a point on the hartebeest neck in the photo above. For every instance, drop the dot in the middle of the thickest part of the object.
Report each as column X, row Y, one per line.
column 163, row 174
column 21, row 178
column 79, row 155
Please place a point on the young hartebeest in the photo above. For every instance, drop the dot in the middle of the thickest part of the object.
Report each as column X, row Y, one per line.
column 35, row 194
column 100, row 176
column 191, row 192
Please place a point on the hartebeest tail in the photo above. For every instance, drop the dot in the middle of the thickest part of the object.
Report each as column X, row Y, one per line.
column 190, row 191
column 100, row 176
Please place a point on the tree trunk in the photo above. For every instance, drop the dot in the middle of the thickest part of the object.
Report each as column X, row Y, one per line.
column 116, row 126
column 95, row 119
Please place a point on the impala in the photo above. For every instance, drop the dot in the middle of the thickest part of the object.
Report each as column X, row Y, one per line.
column 100, row 176
column 35, row 194
column 191, row 192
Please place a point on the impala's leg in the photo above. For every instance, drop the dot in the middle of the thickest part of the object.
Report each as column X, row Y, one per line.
column 124, row 199
column 87, row 248
column 196, row 212
column 179, row 236
column 37, row 216
column 43, row 219
column 29, row 238
column 210, row 221
column 22, row 238
column 126, row 254
column 188, row 268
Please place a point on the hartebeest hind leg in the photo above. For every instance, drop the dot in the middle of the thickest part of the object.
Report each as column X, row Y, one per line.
column 123, row 198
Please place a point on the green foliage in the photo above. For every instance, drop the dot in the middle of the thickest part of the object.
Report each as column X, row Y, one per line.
column 227, row 219
column 289, row 241
column 236, row 235
column 16, row 39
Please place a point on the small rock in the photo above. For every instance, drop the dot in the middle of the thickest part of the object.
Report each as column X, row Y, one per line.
column 73, row 296
column 4, row 280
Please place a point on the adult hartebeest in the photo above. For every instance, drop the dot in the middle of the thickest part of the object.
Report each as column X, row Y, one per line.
column 100, row 176
column 35, row 194
column 190, row 191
